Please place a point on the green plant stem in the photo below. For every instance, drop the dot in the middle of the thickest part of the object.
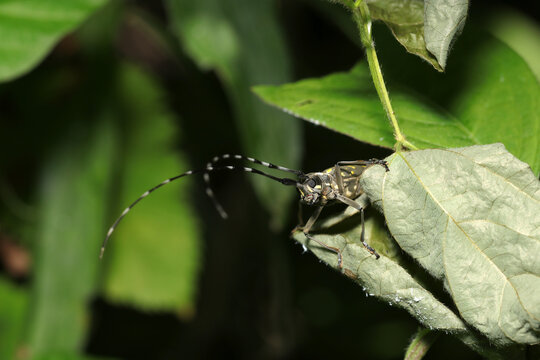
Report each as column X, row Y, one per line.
column 363, row 21
column 420, row 344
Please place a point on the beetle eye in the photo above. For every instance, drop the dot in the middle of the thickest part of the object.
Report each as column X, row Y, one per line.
column 310, row 183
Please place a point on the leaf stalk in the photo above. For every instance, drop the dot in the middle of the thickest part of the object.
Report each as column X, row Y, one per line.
column 420, row 344
column 363, row 21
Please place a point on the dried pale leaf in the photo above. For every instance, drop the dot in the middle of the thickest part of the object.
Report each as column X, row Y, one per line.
column 406, row 21
column 444, row 20
column 383, row 278
column 470, row 216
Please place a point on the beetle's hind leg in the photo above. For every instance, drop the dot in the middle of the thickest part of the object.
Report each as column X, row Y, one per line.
column 357, row 206
column 363, row 240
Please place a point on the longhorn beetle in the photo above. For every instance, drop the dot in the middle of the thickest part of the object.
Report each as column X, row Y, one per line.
column 340, row 183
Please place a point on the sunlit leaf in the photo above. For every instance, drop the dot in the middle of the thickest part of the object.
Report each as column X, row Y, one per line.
column 13, row 313
column 471, row 217
column 221, row 35
column 444, row 20
column 30, row 28
column 153, row 258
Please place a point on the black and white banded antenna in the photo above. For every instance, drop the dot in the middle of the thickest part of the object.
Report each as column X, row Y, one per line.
column 284, row 181
column 217, row 159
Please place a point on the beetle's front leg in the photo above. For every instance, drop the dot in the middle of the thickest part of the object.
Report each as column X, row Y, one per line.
column 308, row 227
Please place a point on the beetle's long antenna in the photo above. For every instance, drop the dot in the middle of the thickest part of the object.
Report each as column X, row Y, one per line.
column 284, row 181
column 216, row 159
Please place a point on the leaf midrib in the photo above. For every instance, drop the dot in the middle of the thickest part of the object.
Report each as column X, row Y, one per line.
column 471, row 241
column 494, row 173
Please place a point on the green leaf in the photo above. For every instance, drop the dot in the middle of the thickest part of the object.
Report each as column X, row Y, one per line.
column 220, row 35
column 154, row 255
column 348, row 103
column 73, row 196
column 30, row 28
column 406, row 21
column 520, row 32
column 489, row 94
column 210, row 40
column 470, row 216
column 444, row 21
column 12, row 316
column 499, row 99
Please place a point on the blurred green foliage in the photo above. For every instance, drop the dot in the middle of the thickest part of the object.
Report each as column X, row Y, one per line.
column 99, row 101
column 225, row 36
column 173, row 258
column 30, row 28
column 12, row 316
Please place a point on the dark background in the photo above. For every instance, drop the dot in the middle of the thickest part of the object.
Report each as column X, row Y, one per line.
column 260, row 296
